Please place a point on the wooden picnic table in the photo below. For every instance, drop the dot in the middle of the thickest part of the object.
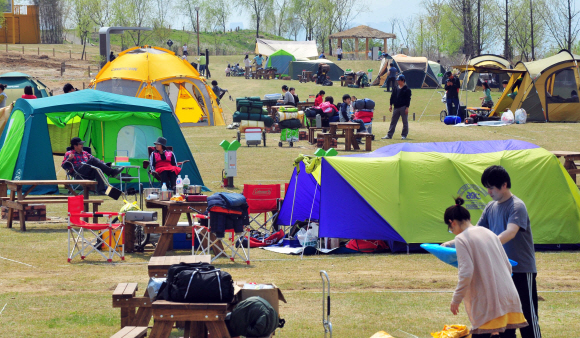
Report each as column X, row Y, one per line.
column 137, row 311
column 570, row 157
column 199, row 319
column 348, row 129
column 171, row 213
column 18, row 200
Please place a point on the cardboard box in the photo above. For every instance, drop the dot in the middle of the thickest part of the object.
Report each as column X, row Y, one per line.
column 272, row 296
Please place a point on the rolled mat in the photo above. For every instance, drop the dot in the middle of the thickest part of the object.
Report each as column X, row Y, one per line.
column 238, row 117
column 287, row 116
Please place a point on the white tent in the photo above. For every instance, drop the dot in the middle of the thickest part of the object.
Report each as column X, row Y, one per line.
column 300, row 49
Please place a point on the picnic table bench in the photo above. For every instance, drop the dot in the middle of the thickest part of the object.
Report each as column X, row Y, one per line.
column 570, row 158
column 199, row 318
column 137, row 311
column 131, row 332
column 350, row 138
column 18, row 200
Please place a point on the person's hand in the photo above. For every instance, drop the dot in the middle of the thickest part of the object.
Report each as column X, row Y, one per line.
column 391, row 108
column 454, row 308
column 481, row 98
column 71, row 156
column 407, row 111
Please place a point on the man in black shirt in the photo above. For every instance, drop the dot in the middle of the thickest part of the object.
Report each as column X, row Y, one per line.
column 452, row 88
column 401, row 99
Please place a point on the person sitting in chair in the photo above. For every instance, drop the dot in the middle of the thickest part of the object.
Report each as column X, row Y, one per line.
column 163, row 162
column 81, row 165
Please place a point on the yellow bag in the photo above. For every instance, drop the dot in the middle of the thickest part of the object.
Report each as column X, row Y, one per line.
column 452, row 331
column 128, row 207
column 382, row 334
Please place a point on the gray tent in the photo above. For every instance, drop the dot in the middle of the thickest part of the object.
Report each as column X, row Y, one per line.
column 296, row 68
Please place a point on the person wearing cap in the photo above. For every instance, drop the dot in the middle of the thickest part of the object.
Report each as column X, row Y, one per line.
column 452, row 97
column 81, row 164
column 163, row 162
column 401, row 99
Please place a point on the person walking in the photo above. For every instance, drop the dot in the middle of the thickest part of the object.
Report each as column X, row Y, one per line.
column 401, row 99
column 184, row 48
column 484, row 284
column 507, row 217
column 339, row 53
column 202, row 64
column 248, row 66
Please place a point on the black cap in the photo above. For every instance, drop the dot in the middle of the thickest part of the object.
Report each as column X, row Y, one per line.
column 76, row 140
column 161, row 140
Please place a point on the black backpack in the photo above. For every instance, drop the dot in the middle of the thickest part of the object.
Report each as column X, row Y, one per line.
column 253, row 317
column 197, row 283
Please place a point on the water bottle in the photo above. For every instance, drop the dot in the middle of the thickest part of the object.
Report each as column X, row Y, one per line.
column 164, row 187
column 186, row 182
column 179, row 185
column 318, row 121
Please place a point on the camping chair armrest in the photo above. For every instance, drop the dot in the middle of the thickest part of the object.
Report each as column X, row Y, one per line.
column 82, row 214
column 179, row 164
column 105, row 213
column 146, row 164
column 200, row 216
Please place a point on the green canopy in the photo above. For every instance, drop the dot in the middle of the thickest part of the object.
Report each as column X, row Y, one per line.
column 281, row 61
column 110, row 124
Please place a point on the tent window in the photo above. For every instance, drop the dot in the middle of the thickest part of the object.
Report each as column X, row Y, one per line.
column 134, row 140
column 562, row 87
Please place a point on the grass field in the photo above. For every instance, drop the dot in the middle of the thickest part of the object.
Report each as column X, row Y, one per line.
column 51, row 298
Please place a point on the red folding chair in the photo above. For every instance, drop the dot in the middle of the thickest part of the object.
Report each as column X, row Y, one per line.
column 87, row 238
column 262, row 199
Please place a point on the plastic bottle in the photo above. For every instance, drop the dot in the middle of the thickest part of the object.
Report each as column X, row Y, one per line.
column 318, row 121
column 186, row 182
column 179, row 185
column 164, row 187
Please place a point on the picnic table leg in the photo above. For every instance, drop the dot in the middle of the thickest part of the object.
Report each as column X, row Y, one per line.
column 161, row 329
column 218, row 329
column 95, row 210
column 347, row 139
column 353, row 140
column 195, row 330
column 162, row 245
column 21, row 212
column 189, row 219
column 10, row 210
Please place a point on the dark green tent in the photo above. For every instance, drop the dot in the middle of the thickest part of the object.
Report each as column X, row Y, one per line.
column 296, row 68
column 110, row 124
column 16, row 82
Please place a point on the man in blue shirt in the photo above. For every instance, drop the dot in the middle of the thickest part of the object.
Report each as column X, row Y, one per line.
column 258, row 60
column 391, row 77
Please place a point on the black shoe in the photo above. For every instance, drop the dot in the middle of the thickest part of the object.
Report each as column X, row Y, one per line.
column 116, row 172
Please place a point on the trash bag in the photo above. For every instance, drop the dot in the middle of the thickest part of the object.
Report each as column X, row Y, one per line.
column 451, row 331
column 308, row 237
column 507, row 117
column 521, row 116
column 154, row 286
column 253, row 317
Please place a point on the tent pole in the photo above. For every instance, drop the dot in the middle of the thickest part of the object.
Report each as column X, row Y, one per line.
column 102, row 143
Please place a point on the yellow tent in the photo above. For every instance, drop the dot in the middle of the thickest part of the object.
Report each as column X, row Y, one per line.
column 546, row 89
column 158, row 74
column 486, row 61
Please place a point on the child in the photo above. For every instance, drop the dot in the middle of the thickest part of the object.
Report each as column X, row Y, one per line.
column 228, row 70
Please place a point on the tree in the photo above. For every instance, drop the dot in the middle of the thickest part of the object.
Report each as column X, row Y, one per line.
column 189, row 7
column 562, row 19
column 82, row 21
column 51, row 20
column 258, row 9
column 464, row 22
column 218, row 12
column 161, row 25
column 282, row 16
column 100, row 11
column 308, row 13
column 133, row 13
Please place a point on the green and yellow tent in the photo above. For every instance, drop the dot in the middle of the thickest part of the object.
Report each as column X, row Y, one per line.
column 111, row 124
column 399, row 192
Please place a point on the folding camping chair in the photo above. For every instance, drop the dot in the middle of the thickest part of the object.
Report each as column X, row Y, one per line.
column 228, row 246
column 263, row 199
column 89, row 237
column 154, row 175
column 67, row 166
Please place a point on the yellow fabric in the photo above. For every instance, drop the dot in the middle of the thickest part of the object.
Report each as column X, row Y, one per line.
column 187, row 110
column 381, row 334
column 5, row 115
column 452, row 331
column 504, row 321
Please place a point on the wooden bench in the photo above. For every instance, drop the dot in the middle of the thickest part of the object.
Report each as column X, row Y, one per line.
column 199, row 318
column 328, row 139
column 131, row 332
column 124, row 298
column 21, row 205
column 129, row 233
column 368, row 140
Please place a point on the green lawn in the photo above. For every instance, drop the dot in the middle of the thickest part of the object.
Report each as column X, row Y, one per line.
column 370, row 292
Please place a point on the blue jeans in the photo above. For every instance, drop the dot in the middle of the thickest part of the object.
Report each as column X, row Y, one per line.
column 201, row 70
column 453, row 106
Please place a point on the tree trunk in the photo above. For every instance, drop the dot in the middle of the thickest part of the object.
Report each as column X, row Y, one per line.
column 506, row 51
column 257, row 26
column 532, row 28
column 569, row 38
column 478, row 27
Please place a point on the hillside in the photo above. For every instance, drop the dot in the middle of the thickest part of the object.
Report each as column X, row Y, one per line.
column 240, row 42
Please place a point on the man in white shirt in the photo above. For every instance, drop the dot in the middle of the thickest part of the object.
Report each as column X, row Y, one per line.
column 339, row 53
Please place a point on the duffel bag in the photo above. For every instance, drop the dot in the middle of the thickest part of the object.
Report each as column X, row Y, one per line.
column 290, row 124
column 369, row 104
column 313, row 111
column 239, row 116
column 198, row 283
column 452, row 119
column 255, row 110
column 253, row 317
column 359, row 104
column 361, row 114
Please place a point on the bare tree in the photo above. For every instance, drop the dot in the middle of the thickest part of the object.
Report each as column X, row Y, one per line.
column 82, row 21
column 189, row 7
column 562, row 19
column 406, row 28
column 218, row 13
column 258, row 9
column 51, row 20
column 463, row 22
column 282, row 15
column 434, row 19
column 100, row 11
column 133, row 13
column 308, row 12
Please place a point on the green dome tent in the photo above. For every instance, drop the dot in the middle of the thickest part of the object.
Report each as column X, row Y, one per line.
column 281, row 61
column 16, row 82
column 108, row 123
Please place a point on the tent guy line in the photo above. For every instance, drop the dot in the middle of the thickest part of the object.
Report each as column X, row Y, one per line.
column 8, row 259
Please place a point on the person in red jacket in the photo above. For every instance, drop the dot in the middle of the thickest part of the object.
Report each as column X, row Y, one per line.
column 28, row 93
column 319, row 98
column 164, row 163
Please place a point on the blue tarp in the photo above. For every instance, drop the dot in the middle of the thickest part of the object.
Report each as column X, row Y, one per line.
column 306, row 190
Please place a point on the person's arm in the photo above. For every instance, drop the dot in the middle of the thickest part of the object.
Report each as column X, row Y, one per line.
column 67, row 158
column 408, row 101
column 152, row 162
column 509, row 233
column 466, row 268
column 392, row 99
column 517, row 221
